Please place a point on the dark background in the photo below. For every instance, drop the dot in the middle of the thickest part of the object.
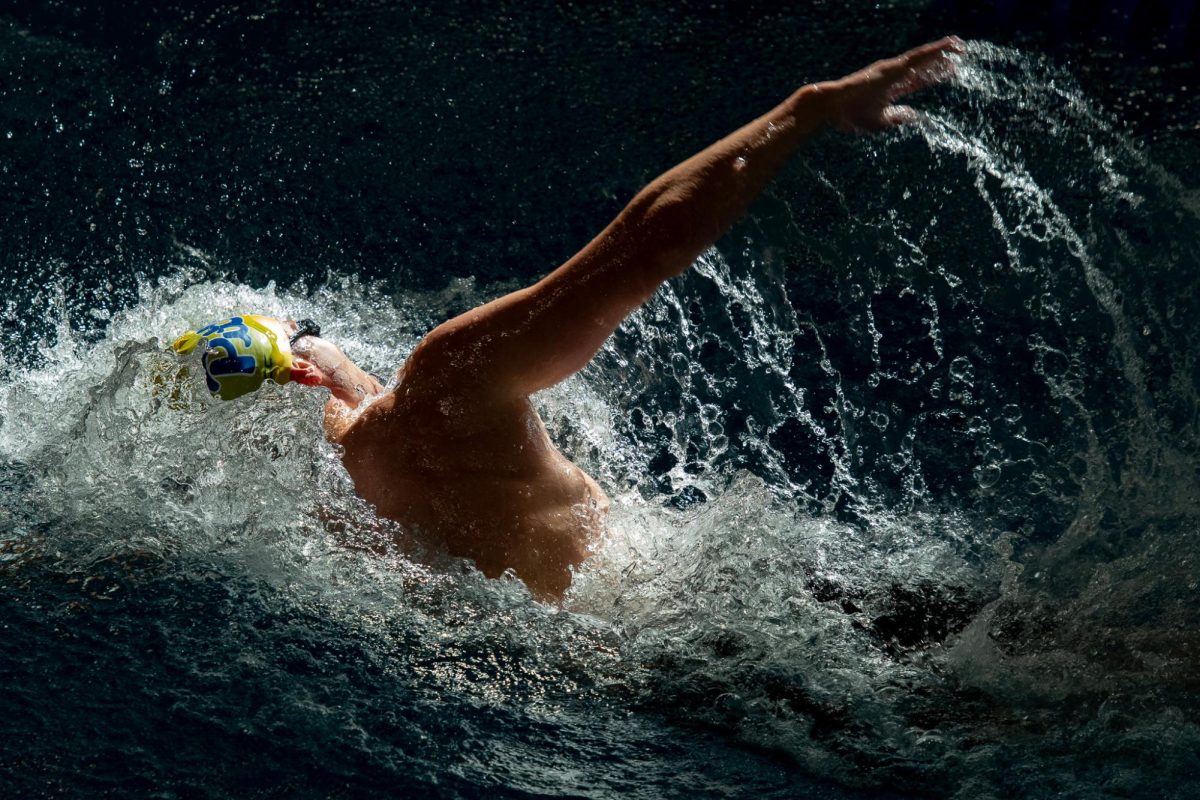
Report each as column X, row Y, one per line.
column 290, row 141
column 414, row 144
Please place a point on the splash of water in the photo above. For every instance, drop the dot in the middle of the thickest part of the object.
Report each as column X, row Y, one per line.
column 906, row 501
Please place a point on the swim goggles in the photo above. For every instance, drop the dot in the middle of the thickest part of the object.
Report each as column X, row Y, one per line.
column 304, row 327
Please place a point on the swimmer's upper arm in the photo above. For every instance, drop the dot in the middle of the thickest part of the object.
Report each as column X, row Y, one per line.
column 537, row 336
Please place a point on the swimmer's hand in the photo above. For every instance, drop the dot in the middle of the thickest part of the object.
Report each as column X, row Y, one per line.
column 864, row 101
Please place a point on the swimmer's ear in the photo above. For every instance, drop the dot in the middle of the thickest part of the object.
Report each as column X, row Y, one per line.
column 305, row 372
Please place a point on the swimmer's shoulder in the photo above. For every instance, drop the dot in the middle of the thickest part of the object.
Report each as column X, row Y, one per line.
column 452, row 360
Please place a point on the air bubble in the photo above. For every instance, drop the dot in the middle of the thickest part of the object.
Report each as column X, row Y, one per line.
column 961, row 369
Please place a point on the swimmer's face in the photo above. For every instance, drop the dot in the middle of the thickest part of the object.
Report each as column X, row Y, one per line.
column 314, row 359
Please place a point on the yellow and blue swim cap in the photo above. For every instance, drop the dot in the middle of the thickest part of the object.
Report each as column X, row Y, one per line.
column 239, row 354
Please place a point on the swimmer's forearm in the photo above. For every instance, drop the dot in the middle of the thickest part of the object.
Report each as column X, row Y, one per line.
column 686, row 209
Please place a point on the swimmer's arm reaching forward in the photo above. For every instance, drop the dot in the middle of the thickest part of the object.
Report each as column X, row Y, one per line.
column 537, row 336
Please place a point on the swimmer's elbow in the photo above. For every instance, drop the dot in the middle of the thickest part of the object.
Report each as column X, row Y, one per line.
column 664, row 231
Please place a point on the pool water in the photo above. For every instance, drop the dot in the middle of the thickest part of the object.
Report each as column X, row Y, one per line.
column 904, row 471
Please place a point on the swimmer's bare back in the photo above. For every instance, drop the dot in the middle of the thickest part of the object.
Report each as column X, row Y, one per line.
column 457, row 450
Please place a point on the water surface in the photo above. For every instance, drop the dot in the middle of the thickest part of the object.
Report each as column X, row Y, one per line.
column 904, row 471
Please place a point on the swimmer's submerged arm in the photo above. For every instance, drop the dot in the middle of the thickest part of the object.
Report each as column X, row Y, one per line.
column 537, row 336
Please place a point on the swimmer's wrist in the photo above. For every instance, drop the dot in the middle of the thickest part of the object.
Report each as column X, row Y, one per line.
column 811, row 106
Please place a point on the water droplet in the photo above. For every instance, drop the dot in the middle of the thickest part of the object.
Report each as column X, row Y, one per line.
column 961, row 369
column 987, row 475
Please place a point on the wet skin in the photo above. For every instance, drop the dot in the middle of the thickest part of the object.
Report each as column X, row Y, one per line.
column 457, row 451
column 485, row 479
column 478, row 476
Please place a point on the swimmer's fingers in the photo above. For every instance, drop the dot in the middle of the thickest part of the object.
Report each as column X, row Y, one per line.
column 924, row 56
column 947, row 44
column 924, row 66
column 894, row 116
column 862, row 101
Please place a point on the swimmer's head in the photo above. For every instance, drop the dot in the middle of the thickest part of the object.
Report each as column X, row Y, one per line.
column 241, row 352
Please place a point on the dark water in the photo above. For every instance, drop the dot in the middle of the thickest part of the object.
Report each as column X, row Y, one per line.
column 904, row 472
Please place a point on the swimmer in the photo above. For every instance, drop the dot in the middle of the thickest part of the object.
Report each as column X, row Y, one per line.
column 456, row 449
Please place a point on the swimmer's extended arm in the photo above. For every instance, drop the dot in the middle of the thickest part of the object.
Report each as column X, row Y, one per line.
column 537, row 336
